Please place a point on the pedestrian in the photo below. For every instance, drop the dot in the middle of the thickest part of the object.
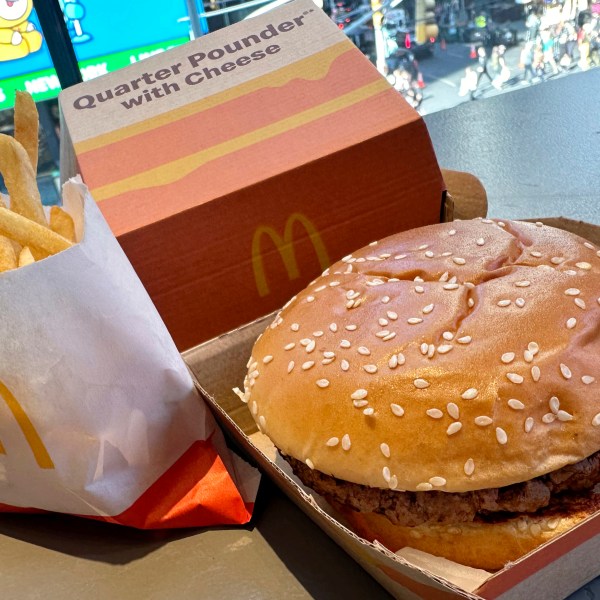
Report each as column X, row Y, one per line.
column 548, row 51
column 482, row 70
column 526, row 62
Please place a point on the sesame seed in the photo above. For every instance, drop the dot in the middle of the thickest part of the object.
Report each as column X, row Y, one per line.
column 350, row 327
column 566, row 372
column 469, row 467
column 364, row 351
column 528, row 424
column 563, row 415
column 310, row 298
column 359, row 394
column 332, row 442
column 556, row 260
column 320, row 288
column 571, row 323
column 382, row 334
column 507, row 357
column 317, row 334
column 459, row 261
column 454, row 428
column 588, row 245
column 429, row 254
column 344, row 364
column 294, row 326
column 480, row 242
column 393, row 483
column 289, row 346
column 535, row 373
column 528, row 356
column 444, row 276
column 470, row 394
column 392, row 315
column 520, row 302
column 327, row 361
column 549, row 418
column 369, row 412
column 452, row 232
column 345, row 344
column 580, row 303
column 444, row 348
column 554, row 404
column 501, row 224
column 421, row 384
column 305, row 341
column 483, row 421
column 370, row 368
column 536, row 254
column 423, row 247
column 451, row 286
column 501, row 436
column 399, row 256
column 401, row 358
column 522, row 284
column 385, row 255
column 254, row 408
column 308, row 364
column 553, row 523
column 572, row 292
column 414, row 321
column 487, row 221
column 290, row 366
column 533, row 348
column 471, row 302
column 360, row 403
column 351, row 294
column 309, row 463
column 469, row 284
column 262, row 421
column 504, row 303
column 347, row 258
column 311, row 346
column 397, row 409
column 514, row 377
column 385, row 299
column 424, row 348
column 596, row 420
column 333, row 327
column 393, row 362
column 323, row 383
column 453, row 410
column 418, row 279
column 464, row 340
column 423, row 487
column 385, row 449
column 241, row 395
column 430, row 351
column 382, row 322
column 267, row 359
column 452, row 279
column 583, row 265
column 427, row 309
column 386, row 474
column 587, row 379
column 420, row 289
column 437, row 481
column 334, row 283
column 435, row 413
column 346, row 443
column 328, row 354
column 516, row 404
column 448, row 335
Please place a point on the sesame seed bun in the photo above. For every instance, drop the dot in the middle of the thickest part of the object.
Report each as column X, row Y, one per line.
column 453, row 357
column 482, row 545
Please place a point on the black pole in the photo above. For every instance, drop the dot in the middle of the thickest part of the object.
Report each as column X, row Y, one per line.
column 58, row 40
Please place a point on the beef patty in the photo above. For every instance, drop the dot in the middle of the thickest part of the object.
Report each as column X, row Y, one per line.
column 415, row 508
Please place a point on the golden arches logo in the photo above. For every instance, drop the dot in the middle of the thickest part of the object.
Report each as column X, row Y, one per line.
column 24, row 422
column 285, row 247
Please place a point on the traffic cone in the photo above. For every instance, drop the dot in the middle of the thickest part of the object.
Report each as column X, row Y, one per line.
column 420, row 81
column 473, row 53
column 443, row 43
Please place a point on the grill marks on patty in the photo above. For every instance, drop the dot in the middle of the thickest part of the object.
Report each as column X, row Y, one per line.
column 414, row 508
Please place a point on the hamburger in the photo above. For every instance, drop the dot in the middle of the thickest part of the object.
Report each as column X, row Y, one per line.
column 441, row 388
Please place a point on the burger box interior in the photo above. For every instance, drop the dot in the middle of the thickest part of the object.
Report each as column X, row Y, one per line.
column 260, row 154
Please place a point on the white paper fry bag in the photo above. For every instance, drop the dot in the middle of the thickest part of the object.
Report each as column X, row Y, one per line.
column 98, row 413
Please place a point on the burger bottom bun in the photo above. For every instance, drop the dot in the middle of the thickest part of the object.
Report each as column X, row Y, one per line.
column 481, row 544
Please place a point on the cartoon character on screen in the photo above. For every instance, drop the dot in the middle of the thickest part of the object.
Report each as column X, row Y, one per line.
column 18, row 36
column 74, row 11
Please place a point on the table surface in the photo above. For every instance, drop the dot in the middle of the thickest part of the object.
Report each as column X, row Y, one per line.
column 537, row 151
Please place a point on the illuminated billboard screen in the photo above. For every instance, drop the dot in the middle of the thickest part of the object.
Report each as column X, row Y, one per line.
column 106, row 35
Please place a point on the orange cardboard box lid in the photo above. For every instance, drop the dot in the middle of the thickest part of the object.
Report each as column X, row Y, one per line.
column 254, row 155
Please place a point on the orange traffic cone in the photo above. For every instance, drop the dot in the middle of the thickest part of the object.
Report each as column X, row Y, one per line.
column 420, row 81
column 443, row 44
column 473, row 53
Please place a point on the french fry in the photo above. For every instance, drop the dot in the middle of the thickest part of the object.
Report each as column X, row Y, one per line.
column 62, row 223
column 37, row 253
column 25, row 257
column 8, row 259
column 28, row 233
column 27, row 126
column 20, row 181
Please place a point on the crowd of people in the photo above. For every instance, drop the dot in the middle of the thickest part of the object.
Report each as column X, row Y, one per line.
column 554, row 43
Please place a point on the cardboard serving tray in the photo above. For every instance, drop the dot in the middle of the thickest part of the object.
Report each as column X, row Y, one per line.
column 552, row 571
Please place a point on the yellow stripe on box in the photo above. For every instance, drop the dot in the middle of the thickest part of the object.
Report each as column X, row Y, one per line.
column 31, row 435
column 178, row 169
column 312, row 68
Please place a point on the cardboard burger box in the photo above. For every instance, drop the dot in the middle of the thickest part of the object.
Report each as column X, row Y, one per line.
column 552, row 571
column 259, row 153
